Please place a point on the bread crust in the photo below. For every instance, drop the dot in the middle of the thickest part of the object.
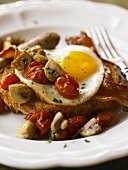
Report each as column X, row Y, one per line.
column 95, row 105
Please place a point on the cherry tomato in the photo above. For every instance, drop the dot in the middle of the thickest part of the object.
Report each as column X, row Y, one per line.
column 35, row 72
column 67, row 87
column 38, row 115
column 104, row 118
column 32, row 64
column 44, row 126
column 42, row 119
column 11, row 78
column 61, row 135
column 2, row 105
column 75, row 123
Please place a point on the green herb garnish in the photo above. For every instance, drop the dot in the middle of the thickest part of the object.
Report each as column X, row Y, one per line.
column 83, row 86
column 87, row 140
column 51, row 136
column 65, row 145
column 57, row 100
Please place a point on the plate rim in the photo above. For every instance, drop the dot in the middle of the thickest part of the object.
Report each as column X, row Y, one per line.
column 60, row 163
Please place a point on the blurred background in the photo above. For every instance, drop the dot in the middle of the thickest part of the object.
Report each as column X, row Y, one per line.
column 122, row 3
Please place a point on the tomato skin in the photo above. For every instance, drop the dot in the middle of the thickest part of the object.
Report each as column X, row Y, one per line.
column 104, row 118
column 42, row 119
column 35, row 72
column 67, row 87
column 11, row 78
column 75, row 123
column 2, row 105
column 61, row 135
column 34, row 117
column 44, row 126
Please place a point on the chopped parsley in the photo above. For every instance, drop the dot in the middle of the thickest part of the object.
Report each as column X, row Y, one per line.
column 57, row 100
column 83, row 86
column 87, row 141
column 50, row 70
column 65, row 145
column 51, row 136
column 27, row 48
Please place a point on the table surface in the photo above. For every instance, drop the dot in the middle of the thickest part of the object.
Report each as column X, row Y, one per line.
column 119, row 164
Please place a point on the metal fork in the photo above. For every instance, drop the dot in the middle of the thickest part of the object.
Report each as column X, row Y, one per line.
column 105, row 47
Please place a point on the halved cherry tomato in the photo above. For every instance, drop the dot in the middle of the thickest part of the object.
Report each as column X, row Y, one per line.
column 44, row 126
column 11, row 78
column 104, row 118
column 35, row 72
column 61, row 134
column 75, row 123
column 2, row 105
column 42, row 119
column 42, row 115
column 67, row 87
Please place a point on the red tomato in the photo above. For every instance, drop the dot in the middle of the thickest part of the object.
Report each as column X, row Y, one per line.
column 75, row 123
column 2, row 106
column 42, row 119
column 61, row 135
column 67, row 87
column 35, row 72
column 34, row 117
column 104, row 118
column 44, row 126
column 11, row 78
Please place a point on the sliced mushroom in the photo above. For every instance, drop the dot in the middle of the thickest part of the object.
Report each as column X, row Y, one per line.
column 90, row 128
column 53, row 70
column 55, row 125
column 20, row 93
column 38, row 54
column 63, row 124
column 21, row 61
column 26, row 130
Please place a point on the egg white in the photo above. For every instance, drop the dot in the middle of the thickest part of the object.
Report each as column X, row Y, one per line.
column 88, row 87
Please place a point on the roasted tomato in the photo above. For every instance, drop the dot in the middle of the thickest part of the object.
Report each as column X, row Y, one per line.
column 42, row 119
column 61, row 135
column 11, row 78
column 35, row 72
column 2, row 105
column 67, row 87
column 104, row 118
column 75, row 123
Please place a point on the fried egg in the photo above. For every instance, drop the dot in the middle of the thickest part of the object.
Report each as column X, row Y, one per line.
column 77, row 61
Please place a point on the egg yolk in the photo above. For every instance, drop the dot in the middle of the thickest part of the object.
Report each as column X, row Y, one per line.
column 77, row 64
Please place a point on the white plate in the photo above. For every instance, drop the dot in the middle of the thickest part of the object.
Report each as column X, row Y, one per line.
column 66, row 18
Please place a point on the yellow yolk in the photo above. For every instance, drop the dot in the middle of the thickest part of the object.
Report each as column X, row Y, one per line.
column 77, row 64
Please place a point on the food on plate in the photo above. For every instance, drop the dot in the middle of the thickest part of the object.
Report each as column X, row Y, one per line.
column 65, row 93
column 47, row 40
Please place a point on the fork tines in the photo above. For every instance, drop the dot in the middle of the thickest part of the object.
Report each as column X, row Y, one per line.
column 105, row 47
